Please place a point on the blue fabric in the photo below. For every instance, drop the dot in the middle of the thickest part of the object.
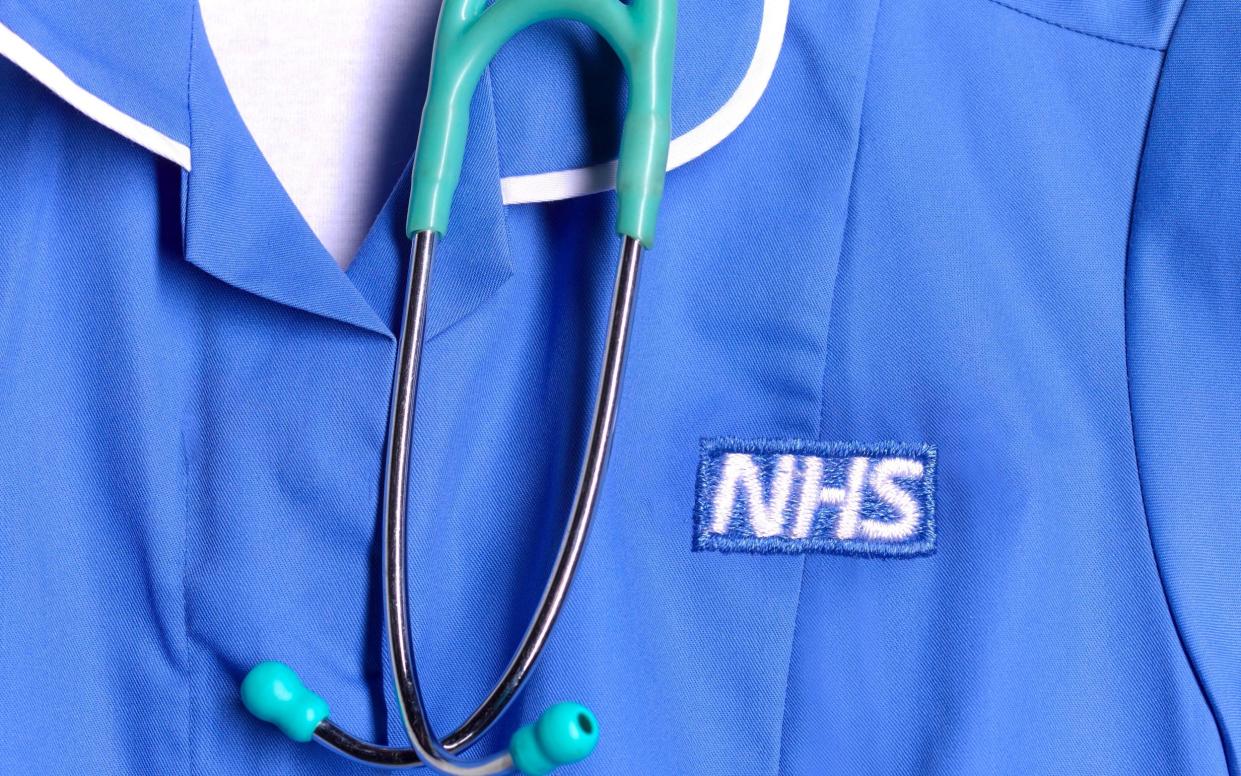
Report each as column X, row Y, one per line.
column 931, row 229
column 1184, row 301
column 133, row 57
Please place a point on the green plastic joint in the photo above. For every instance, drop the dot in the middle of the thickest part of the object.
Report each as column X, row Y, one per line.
column 566, row 733
column 469, row 33
column 274, row 693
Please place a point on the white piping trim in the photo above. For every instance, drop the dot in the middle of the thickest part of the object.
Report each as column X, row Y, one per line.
column 43, row 70
column 514, row 189
column 564, row 184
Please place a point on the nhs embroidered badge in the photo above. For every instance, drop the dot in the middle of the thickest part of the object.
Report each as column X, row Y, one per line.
column 794, row 496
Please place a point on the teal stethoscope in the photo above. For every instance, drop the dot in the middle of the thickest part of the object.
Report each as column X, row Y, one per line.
column 468, row 35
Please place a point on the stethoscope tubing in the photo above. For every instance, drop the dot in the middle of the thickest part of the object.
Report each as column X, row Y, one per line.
column 468, row 34
column 427, row 749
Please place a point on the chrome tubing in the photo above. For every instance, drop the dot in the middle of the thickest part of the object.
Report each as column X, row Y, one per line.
column 427, row 749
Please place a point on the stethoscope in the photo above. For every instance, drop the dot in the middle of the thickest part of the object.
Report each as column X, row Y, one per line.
column 468, row 35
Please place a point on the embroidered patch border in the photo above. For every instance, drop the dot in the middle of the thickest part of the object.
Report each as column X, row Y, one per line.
column 793, row 496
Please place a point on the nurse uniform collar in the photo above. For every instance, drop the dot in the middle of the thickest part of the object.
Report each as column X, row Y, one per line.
column 468, row 35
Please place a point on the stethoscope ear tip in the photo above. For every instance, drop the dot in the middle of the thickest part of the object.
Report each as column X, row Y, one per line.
column 274, row 693
column 564, row 734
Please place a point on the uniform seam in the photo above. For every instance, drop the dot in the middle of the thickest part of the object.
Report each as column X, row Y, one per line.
column 1067, row 28
column 189, row 126
column 822, row 403
column 185, row 458
column 185, row 603
column 788, row 671
column 1160, row 575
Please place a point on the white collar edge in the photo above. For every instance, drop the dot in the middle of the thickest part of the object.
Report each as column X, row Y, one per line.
column 514, row 189
column 40, row 68
column 580, row 181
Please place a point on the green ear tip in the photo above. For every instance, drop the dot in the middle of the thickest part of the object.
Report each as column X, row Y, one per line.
column 566, row 733
column 273, row 692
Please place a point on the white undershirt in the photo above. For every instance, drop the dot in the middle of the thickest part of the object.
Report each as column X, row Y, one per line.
column 331, row 92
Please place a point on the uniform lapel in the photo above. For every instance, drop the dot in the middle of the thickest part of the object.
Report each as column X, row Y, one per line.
column 242, row 228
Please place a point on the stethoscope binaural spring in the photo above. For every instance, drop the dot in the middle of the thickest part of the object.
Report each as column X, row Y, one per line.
column 468, row 35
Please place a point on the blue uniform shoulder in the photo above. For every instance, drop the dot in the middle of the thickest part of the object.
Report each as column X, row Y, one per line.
column 124, row 64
